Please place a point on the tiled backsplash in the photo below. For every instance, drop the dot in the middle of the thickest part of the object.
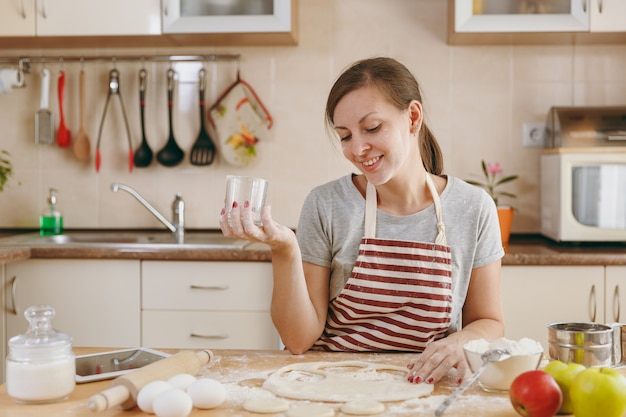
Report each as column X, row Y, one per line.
column 476, row 99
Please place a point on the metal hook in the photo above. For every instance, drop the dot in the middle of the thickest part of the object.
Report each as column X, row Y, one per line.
column 62, row 64
column 114, row 62
column 82, row 63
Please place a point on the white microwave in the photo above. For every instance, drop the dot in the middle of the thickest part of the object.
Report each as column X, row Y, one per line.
column 583, row 194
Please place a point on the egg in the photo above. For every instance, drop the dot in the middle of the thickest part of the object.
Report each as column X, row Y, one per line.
column 206, row 393
column 181, row 381
column 172, row 403
column 149, row 392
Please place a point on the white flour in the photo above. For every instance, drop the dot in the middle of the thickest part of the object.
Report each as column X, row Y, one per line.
column 524, row 346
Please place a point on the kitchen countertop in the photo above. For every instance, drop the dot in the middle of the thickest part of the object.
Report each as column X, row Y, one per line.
column 242, row 373
column 522, row 250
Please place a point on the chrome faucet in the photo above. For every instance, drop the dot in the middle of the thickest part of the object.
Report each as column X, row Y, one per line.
column 176, row 226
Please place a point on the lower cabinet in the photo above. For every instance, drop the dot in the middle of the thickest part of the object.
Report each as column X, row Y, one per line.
column 221, row 305
column 96, row 301
column 535, row 296
column 615, row 294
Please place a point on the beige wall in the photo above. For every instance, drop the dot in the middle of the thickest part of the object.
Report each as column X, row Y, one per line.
column 476, row 99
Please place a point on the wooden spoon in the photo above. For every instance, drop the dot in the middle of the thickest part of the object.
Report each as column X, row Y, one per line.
column 81, row 146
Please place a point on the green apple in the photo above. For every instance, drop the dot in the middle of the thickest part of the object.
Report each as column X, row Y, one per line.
column 564, row 374
column 598, row 392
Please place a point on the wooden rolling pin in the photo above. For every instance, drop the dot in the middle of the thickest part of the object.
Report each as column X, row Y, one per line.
column 124, row 389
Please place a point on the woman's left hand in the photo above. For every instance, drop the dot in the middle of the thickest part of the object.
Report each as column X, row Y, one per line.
column 437, row 360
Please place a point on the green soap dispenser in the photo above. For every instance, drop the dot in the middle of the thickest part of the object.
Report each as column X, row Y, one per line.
column 51, row 221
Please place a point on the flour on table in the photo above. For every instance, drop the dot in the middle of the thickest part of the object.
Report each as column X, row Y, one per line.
column 363, row 407
column 310, row 411
column 344, row 381
column 266, row 405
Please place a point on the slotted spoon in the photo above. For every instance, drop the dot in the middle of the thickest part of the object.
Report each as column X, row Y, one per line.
column 203, row 151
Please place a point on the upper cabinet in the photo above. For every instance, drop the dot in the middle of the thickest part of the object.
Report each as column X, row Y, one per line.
column 98, row 18
column 143, row 23
column 536, row 21
column 79, row 17
column 17, row 17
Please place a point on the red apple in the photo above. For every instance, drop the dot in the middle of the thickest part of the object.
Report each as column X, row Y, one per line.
column 535, row 394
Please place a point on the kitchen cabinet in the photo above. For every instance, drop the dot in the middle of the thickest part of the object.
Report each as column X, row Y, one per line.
column 97, row 18
column 557, row 21
column 97, row 301
column 194, row 305
column 535, row 296
column 146, row 23
column 17, row 17
column 615, row 294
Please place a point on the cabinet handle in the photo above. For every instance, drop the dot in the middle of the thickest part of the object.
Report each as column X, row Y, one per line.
column 13, row 289
column 584, row 3
column 592, row 303
column 23, row 9
column 210, row 336
column 166, row 9
column 43, row 9
column 209, row 287
column 616, row 305
column 600, row 6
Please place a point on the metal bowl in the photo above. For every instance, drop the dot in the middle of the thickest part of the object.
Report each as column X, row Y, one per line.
column 589, row 344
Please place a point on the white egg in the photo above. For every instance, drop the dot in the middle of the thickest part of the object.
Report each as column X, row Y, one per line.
column 149, row 392
column 206, row 393
column 181, row 381
column 172, row 403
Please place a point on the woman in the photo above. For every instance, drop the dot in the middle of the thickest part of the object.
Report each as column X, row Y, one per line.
column 396, row 258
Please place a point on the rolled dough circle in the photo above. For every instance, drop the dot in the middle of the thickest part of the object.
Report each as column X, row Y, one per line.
column 344, row 381
column 363, row 407
column 313, row 410
column 266, row 405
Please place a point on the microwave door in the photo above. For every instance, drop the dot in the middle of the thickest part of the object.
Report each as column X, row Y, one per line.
column 585, row 194
column 612, row 199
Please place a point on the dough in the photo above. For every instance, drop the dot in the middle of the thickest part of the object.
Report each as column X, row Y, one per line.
column 344, row 381
column 266, row 405
column 310, row 411
column 363, row 407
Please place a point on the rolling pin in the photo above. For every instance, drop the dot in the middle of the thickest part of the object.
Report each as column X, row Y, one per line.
column 124, row 389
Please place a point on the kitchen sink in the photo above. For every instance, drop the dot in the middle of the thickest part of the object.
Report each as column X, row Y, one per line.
column 133, row 239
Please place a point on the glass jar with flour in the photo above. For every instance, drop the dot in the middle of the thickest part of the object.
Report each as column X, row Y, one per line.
column 41, row 366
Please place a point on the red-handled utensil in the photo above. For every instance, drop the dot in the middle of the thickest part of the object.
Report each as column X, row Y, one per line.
column 63, row 134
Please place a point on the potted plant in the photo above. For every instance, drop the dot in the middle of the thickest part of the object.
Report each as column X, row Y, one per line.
column 6, row 168
column 494, row 179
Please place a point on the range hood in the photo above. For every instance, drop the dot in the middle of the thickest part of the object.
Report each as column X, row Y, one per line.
column 586, row 127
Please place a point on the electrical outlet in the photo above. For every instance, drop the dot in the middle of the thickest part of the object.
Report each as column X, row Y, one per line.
column 533, row 135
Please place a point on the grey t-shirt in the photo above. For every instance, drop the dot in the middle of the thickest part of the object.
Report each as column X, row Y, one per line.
column 332, row 220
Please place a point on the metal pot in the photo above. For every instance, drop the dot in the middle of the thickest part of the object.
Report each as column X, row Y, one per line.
column 590, row 344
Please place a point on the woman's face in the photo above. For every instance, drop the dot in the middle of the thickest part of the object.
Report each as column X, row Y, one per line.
column 380, row 140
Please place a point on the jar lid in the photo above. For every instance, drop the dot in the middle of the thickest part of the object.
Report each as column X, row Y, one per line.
column 40, row 333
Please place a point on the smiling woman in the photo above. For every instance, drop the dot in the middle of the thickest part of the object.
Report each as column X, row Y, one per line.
column 399, row 257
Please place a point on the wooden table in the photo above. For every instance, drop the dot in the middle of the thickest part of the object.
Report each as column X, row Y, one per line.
column 243, row 371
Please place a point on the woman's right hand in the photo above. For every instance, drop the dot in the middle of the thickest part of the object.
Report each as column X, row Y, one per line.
column 239, row 224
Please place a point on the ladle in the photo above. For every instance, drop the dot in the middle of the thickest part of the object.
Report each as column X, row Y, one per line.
column 143, row 154
column 81, row 146
column 171, row 154
column 491, row 355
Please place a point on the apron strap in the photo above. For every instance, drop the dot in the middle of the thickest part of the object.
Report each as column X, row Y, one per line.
column 371, row 205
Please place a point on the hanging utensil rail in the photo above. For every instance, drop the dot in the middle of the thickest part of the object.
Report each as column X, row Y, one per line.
column 23, row 63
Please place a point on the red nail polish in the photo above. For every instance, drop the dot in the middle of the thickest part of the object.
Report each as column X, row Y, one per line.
column 459, row 381
column 246, row 204
column 235, row 204
column 223, row 212
column 417, row 379
column 430, row 380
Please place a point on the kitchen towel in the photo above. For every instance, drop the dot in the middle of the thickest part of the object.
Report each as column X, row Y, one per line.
column 9, row 79
column 240, row 121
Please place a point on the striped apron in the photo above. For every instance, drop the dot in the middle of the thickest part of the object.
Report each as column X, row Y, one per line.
column 399, row 294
